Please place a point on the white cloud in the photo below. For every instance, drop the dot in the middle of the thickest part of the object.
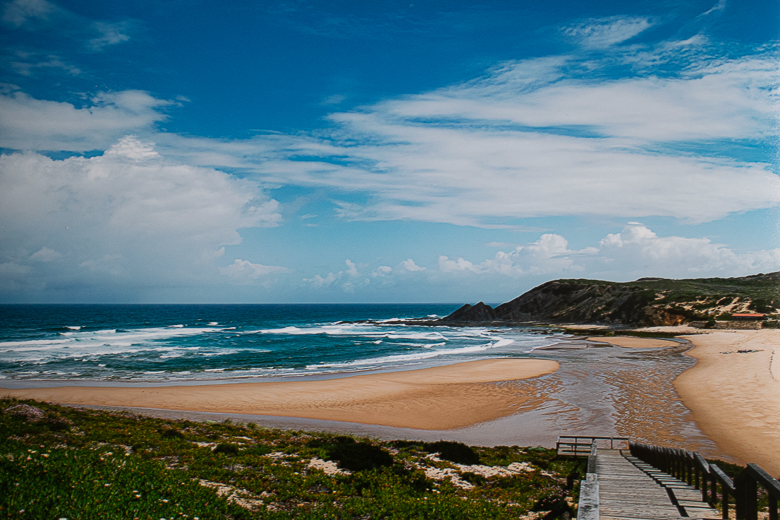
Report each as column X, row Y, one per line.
column 636, row 248
column 129, row 215
column 549, row 254
column 718, row 7
column 634, row 252
column 244, row 271
column 352, row 268
column 43, row 15
column 382, row 270
column 409, row 265
column 319, row 281
column 450, row 266
column 531, row 138
column 35, row 63
column 605, row 32
column 17, row 12
column 27, row 123
column 109, row 264
column 528, row 140
column 45, row 254
column 110, row 34
column 130, row 147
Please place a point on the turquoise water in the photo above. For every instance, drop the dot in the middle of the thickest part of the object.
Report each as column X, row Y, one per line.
column 206, row 342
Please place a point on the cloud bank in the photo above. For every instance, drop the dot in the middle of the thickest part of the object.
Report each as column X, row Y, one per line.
column 128, row 216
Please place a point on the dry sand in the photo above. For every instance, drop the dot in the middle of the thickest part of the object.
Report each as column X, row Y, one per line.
column 437, row 398
column 734, row 393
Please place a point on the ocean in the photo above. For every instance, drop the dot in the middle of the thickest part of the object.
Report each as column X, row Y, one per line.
column 182, row 343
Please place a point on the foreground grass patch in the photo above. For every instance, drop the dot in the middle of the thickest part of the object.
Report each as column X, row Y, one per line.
column 58, row 462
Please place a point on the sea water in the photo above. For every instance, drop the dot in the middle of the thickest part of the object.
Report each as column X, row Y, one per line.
column 180, row 343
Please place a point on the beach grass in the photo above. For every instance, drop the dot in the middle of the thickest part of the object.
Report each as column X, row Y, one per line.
column 62, row 462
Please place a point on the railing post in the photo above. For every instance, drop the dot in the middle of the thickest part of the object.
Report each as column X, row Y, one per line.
column 746, row 499
column 702, row 474
column 713, row 488
column 692, row 480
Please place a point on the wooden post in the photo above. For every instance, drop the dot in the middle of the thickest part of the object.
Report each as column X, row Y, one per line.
column 713, row 488
column 746, row 497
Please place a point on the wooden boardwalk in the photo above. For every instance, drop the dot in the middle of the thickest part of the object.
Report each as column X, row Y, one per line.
column 629, row 489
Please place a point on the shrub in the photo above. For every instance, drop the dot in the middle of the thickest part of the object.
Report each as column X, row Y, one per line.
column 453, row 451
column 227, row 449
column 170, row 433
column 358, row 456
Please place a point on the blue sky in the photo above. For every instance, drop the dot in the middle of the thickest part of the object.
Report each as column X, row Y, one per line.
column 382, row 151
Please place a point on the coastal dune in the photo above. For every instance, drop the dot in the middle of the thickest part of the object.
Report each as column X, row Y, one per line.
column 437, row 398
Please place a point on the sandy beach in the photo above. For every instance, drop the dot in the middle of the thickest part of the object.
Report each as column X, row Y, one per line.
column 734, row 393
column 726, row 405
column 437, row 398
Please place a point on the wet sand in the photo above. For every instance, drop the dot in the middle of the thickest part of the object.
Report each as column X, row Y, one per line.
column 634, row 342
column 438, row 398
column 734, row 393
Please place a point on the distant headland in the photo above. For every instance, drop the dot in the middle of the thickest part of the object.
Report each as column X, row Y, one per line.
column 744, row 302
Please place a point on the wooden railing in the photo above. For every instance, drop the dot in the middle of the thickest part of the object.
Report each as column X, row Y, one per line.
column 580, row 446
column 690, row 467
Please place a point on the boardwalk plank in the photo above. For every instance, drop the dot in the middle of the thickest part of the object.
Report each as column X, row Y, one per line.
column 630, row 489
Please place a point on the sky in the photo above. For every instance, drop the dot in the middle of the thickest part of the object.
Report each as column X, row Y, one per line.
column 377, row 152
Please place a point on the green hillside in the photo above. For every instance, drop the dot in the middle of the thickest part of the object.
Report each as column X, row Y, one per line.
column 647, row 301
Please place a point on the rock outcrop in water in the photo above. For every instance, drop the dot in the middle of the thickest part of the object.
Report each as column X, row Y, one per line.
column 644, row 302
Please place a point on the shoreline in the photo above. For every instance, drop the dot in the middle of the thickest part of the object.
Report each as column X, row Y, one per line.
column 720, row 402
column 733, row 392
column 439, row 398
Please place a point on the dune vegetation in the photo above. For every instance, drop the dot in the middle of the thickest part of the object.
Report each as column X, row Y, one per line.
column 62, row 462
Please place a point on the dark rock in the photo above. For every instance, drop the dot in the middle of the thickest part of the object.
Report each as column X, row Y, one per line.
column 472, row 313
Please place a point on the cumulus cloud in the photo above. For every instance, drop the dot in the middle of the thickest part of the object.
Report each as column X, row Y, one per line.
column 549, row 254
column 382, row 270
column 129, row 215
column 320, row 281
column 409, row 265
column 638, row 246
column 352, row 268
column 633, row 252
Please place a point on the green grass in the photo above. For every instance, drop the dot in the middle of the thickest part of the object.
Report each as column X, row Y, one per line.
column 85, row 464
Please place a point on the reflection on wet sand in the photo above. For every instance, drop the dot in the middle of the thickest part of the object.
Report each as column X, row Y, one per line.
column 609, row 390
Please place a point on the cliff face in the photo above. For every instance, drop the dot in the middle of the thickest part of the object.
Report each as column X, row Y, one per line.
column 645, row 302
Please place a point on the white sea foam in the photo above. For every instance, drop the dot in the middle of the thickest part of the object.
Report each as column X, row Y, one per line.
column 73, row 327
column 100, row 342
column 403, row 358
column 213, row 323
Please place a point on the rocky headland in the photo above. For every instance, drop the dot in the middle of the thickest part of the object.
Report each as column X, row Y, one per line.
column 644, row 302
